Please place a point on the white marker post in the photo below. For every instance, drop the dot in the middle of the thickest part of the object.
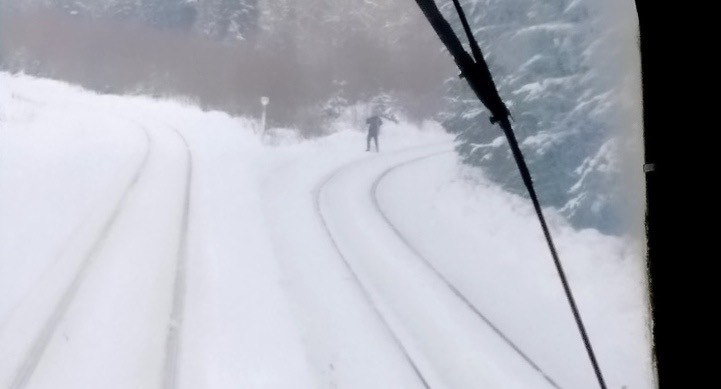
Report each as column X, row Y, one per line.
column 263, row 100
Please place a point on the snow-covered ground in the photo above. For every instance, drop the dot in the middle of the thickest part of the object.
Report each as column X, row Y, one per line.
column 149, row 244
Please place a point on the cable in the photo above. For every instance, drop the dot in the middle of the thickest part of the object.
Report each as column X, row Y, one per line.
column 480, row 80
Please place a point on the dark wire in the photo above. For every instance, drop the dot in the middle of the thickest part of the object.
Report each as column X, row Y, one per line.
column 479, row 78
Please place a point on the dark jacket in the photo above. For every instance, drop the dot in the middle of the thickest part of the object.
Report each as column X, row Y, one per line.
column 374, row 124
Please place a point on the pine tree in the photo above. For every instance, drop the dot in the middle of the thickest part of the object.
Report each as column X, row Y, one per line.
column 540, row 54
column 169, row 14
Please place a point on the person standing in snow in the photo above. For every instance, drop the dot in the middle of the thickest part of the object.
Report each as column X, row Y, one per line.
column 374, row 125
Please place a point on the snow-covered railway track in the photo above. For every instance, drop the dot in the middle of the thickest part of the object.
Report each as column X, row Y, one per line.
column 39, row 343
column 445, row 339
column 175, row 325
column 429, row 264
column 363, row 288
column 124, row 293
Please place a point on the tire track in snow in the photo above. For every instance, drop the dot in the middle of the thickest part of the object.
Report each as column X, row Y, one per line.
column 456, row 292
column 173, row 341
column 316, row 196
column 39, row 344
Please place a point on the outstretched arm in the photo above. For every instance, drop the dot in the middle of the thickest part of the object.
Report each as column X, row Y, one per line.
column 391, row 118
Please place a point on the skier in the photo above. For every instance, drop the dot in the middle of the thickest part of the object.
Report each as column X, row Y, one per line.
column 374, row 125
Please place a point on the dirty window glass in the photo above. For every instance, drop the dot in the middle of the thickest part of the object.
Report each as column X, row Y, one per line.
column 310, row 194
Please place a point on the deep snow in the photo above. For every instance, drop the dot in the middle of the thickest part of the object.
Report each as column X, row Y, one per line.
column 289, row 274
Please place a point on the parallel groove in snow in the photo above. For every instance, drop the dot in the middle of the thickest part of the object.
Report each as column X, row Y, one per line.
column 317, row 193
column 172, row 350
column 39, row 345
column 402, row 238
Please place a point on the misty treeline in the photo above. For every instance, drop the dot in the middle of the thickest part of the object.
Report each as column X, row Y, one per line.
column 569, row 71
column 311, row 57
